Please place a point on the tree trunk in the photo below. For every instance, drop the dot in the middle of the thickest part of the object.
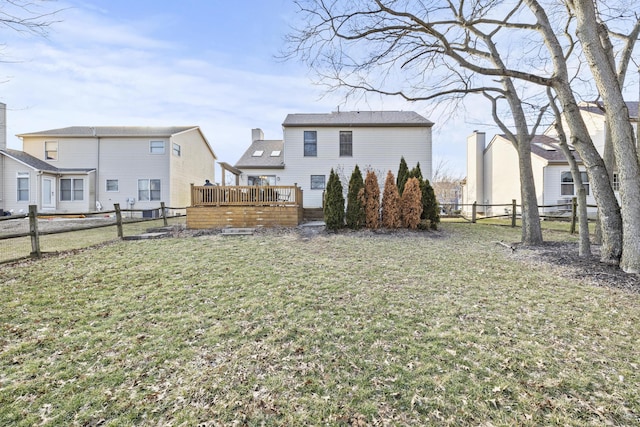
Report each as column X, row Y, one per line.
column 617, row 117
column 608, row 209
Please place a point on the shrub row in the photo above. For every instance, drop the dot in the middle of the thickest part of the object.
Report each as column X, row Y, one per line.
column 408, row 202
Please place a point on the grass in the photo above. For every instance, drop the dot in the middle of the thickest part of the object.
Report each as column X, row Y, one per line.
column 17, row 248
column 347, row 329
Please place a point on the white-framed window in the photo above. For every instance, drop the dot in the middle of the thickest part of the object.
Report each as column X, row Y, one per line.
column 149, row 190
column 177, row 150
column 156, row 147
column 616, row 182
column 112, row 185
column 310, row 143
column 566, row 183
column 346, row 143
column 261, row 180
column 317, row 182
column 23, row 186
column 51, row 150
column 71, row 189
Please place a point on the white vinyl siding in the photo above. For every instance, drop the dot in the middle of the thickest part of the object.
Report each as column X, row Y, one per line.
column 378, row 149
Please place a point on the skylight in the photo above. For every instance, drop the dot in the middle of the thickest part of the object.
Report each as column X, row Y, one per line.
column 275, row 153
column 258, row 153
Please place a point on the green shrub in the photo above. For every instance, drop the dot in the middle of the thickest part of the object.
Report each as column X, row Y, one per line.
column 334, row 203
column 403, row 175
column 355, row 208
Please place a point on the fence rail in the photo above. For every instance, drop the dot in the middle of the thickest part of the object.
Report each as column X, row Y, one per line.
column 511, row 211
column 215, row 195
column 22, row 234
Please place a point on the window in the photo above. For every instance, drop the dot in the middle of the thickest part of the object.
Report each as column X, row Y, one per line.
column 310, row 143
column 23, row 186
column 616, row 182
column 317, row 182
column 261, row 180
column 156, row 147
column 71, row 189
column 566, row 183
column 148, row 189
column 258, row 153
column 112, row 185
column 177, row 150
column 51, row 150
column 275, row 153
column 346, row 144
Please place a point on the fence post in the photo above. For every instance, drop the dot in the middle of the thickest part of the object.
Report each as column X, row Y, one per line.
column 33, row 231
column 574, row 214
column 474, row 209
column 164, row 214
column 116, row 206
column 513, row 212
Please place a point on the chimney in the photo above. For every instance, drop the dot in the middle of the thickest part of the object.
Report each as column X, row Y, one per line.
column 257, row 135
column 3, row 126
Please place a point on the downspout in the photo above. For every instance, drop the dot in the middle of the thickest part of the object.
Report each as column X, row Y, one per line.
column 97, row 176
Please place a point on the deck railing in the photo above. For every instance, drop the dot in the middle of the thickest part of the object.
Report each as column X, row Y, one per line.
column 216, row 195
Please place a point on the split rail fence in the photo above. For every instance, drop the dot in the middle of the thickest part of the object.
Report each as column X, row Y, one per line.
column 561, row 212
column 36, row 233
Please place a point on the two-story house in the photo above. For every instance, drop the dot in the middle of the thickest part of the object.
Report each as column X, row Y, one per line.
column 313, row 144
column 493, row 177
column 80, row 169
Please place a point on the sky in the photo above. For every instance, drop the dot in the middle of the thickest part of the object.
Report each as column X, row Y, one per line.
column 210, row 63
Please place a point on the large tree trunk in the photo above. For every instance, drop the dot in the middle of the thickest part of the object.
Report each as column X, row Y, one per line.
column 608, row 209
column 622, row 136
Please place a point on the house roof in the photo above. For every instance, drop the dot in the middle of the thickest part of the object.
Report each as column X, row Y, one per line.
column 549, row 149
column 263, row 154
column 112, row 131
column 358, row 118
column 598, row 108
column 37, row 164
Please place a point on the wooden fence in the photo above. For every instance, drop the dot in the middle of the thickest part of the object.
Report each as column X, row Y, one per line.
column 34, row 233
column 511, row 212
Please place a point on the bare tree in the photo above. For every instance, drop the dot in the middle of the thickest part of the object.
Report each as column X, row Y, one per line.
column 30, row 16
column 596, row 45
column 447, row 50
column 366, row 46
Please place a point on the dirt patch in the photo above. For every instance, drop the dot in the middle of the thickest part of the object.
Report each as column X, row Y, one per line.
column 563, row 257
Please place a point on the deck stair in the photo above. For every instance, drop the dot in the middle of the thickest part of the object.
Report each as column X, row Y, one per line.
column 234, row 231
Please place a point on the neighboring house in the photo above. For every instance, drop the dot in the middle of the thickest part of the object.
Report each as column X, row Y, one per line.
column 313, row 144
column 493, row 176
column 80, row 169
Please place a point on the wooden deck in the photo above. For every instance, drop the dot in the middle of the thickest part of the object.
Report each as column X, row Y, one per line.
column 244, row 206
